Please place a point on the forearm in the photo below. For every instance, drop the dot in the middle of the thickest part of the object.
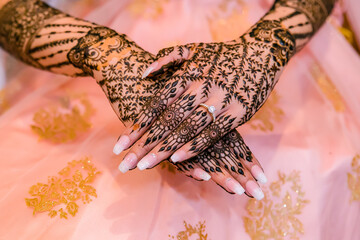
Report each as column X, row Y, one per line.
column 44, row 37
column 301, row 18
column 274, row 39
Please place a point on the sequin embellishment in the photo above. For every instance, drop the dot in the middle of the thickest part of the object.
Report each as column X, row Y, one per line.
column 191, row 232
column 353, row 178
column 64, row 120
column 62, row 194
column 276, row 216
column 268, row 114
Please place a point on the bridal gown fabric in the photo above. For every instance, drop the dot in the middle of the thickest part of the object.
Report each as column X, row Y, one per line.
column 59, row 178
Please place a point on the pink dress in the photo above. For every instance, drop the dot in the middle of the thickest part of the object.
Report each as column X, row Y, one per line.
column 59, row 177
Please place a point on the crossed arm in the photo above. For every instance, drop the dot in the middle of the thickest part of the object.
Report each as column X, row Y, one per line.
column 234, row 77
column 49, row 39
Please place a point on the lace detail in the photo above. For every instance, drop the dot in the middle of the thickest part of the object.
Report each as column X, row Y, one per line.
column 190, row 232
column 276, row 216
column 354, row 179
column 62, row 194
column 63, row 121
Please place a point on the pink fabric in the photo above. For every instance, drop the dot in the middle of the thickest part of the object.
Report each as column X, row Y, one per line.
column 312, row 138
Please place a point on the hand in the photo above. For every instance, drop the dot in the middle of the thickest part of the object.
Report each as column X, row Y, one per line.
column 117, row 64
column 235, row 78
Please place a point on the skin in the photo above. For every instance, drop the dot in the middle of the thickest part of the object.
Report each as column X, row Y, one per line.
column 236, row 77
column 51, row 40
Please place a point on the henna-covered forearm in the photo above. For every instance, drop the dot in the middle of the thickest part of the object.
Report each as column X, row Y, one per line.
column 40, row 35
column 228, row 81
column 302, row 18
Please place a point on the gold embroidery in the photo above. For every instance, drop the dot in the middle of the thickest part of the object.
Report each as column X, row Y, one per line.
column 190, row 232
column 147, row 8
column 354, row 179
column 327, row 87
column 61, row 195
column 276, row 216
column 268, row 114
column 346, row 30
column 168, row 166
column 63, row 121
column 4, row 104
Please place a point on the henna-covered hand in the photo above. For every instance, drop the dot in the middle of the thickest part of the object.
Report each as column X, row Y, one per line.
column 48, row 39
column 220, row 86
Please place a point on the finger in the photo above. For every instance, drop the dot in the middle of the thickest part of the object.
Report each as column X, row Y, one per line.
column 166, row 122
column 244, row 156
column 149, row 112
column 205, row 161
column 168, row 57
column 208, row 137
column 187, row 130
column 239, row 173
column 225, row 159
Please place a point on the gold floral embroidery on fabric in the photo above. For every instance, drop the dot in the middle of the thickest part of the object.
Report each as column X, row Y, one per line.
column 353, row 178
column 327, row 87
column 268, row 114
column 190, row 232
column 147, row 8
column 4, row 105
column 64, row 120
column 276, row 216
column 168, row 166
column 63, row 194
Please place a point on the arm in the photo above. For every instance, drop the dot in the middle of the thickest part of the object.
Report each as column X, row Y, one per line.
column 234, row 77
column 49, row 39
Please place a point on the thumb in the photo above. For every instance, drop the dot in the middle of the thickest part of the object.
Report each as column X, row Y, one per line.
column 168, row 57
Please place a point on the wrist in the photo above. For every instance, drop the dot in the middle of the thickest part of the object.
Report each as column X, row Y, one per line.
column 302, row 18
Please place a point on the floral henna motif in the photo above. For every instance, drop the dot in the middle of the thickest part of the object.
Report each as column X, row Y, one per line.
column 243, row 72
column 186, row 131
column 171, row 118
column 48, row 39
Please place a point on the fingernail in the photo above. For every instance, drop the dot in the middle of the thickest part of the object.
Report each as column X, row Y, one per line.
column 128, row 162
column 254, row 190
column 178, row 156
column 258, row 174
column 147, row 161
column 121, row 145
column 202, row 174
column 234, row 186
column 149, row 69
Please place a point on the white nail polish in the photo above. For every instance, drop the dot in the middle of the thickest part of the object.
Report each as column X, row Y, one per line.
column 178, row 156
column 239, row 189
column 258, row 194
column 258, row 174
column 147, row 161
column 175, row 158
column 123, row 167
column 254, row 190
column 205, row 176
column 142, row 165
column 149, row 70
column 121, row 145
column 234, row 186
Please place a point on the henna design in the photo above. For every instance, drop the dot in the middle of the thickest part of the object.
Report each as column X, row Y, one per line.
column 220, row 156
column 171, row 118
column 186, row 131
column 212, row 133
column 245, row 70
